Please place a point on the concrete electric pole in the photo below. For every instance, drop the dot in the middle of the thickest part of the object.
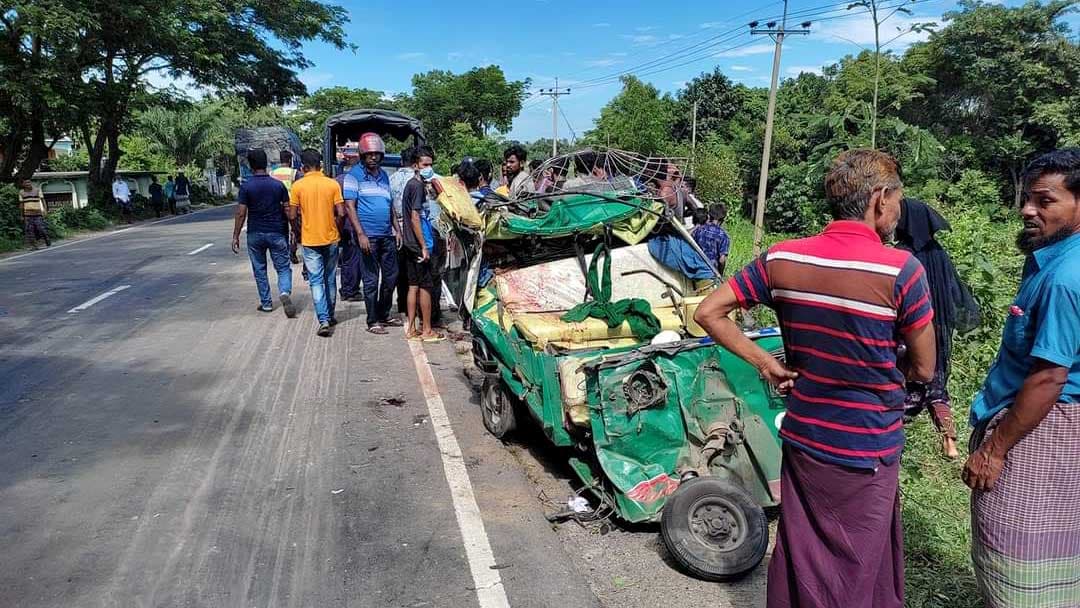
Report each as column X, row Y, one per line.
column 554, row 94
column 778, row 35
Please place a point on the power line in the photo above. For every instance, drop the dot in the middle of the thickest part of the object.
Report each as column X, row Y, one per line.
column 568, row 125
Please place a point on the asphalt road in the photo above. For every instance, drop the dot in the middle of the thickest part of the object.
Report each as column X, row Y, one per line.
column 164, row 444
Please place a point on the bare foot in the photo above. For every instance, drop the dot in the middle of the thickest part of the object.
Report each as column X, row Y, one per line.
column 948, row 447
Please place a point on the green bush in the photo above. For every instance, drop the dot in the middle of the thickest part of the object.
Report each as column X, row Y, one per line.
column 797, row 204
column 975, row 190
column 11, row 224
column 719, row 178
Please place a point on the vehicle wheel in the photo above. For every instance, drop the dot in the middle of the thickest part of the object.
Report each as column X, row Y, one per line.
column 497, row 407
column 714, row 529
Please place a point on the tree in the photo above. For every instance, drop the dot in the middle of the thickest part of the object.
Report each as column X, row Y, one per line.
column 879, row 15
column 718, row 100
column 40, row 80
column 464, row 142
column 309, row 117
column 638, row 119
column 185, row 135
column 1002, row 76
column 251, row 47
column 481, row 98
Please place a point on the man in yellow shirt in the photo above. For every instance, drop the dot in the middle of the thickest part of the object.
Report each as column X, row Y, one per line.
column 316, row 200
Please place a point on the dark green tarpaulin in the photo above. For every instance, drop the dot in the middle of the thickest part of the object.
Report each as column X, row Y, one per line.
column 631, row 219
column 634, row 311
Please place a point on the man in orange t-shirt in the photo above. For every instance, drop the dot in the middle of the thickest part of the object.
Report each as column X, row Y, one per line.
column 317, row 200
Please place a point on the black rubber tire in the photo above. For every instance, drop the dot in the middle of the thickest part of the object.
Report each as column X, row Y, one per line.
column 714, row 529
column 497, row 407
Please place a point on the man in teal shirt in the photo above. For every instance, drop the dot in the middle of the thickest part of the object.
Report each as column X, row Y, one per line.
column 1026, row 446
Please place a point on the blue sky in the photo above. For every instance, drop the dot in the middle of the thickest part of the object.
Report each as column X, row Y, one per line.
column 585, row 44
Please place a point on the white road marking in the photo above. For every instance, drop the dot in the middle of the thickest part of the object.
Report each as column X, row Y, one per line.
column 486, row 579
column 96, row 299
column 203, row 248
column 106, row 234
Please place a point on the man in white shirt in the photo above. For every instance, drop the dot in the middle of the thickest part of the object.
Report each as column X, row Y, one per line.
column 122, row 195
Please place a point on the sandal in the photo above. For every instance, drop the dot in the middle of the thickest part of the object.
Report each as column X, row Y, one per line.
column 433, row 338
column 394, row 322
column 378, row 330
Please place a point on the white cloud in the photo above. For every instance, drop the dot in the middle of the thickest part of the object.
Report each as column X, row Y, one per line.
column 711, row 24
column 858, row 29
column 648, row 28
column 675, row 36
column 599, row 63
column 679, row 84
column 601, row 24
column 746, row 51
column 408, row 56
column 795, row 70
column 618, row 54
column 641, row 39
column 315, row 79
column 741, row 68
column 454, row 56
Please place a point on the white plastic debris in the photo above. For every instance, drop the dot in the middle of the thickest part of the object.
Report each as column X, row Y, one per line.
column 578, row 504
column 337, row 491
column 666, row 337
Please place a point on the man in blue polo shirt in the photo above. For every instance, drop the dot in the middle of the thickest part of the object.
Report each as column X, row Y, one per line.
column 376, row 229
column 1025, row 506
column 262, row 202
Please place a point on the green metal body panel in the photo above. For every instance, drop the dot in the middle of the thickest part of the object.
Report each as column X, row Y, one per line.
column 640, row 453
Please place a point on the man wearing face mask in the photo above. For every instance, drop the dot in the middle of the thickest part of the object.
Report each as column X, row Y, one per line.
column 842, row 298
column 418, row 241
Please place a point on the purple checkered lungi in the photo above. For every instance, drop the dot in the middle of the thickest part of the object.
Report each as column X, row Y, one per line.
column 1026, row 531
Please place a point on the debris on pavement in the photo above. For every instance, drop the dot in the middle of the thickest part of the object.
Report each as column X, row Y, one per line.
column 337, row 491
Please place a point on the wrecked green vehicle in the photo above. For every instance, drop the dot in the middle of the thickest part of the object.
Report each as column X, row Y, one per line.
column 664, row 426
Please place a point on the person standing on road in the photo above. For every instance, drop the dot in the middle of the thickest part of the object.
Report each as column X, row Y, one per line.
column 518, row 179
column 122, row 195
column 349, row 252
column 170, row 189
column 1025, row 528
column 157, row 196
column 419, row 242
column 843, row 299
column 182, row 193
column 284, row 172
column 398, row 181
column 32, row 205
column 314, row 204
column 375, row 231
column 261, row 203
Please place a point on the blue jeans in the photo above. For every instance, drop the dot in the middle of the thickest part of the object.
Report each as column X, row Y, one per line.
column 321, row 264
column 378, row 295
column 258, row 243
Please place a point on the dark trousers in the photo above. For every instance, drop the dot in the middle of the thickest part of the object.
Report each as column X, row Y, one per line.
column 34, row 229
column 402, row 285
column 349, row 263
column 379, row 270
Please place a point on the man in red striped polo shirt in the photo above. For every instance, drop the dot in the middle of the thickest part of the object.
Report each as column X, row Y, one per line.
column 844, row 301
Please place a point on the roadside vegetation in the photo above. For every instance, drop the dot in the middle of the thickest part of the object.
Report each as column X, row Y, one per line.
column 963, row 109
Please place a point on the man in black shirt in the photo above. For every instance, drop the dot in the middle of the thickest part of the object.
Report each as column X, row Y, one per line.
column 418, row 241
column 262, row 204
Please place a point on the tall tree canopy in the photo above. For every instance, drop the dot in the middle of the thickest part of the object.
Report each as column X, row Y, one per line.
column 250, row 47
column 637, row 119
column 481, row 98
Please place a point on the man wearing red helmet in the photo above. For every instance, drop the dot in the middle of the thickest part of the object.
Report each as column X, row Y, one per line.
column 376, row 228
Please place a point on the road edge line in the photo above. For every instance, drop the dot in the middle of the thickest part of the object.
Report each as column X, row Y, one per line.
column 110, row 233
column 490, row 592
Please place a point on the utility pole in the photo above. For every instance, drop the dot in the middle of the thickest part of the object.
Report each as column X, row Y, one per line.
column 693, row 140
column 777, row 35
column 554, row 94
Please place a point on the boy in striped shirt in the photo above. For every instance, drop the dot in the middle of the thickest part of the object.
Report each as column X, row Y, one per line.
column 845, row 301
